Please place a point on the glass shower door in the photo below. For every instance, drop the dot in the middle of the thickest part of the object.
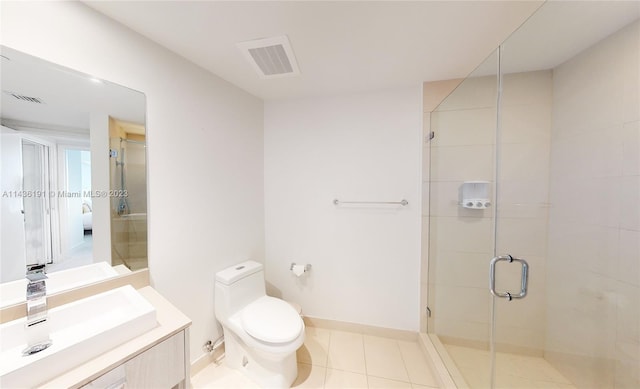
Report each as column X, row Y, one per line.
column 521, row 229
column 488, row 214
column 462, row 222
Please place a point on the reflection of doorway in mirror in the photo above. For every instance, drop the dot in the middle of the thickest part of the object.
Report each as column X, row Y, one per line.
column 29, row 214
column 47, row 193
column 36, row 202
column 74, row 200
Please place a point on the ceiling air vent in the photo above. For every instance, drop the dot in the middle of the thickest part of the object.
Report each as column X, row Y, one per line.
column 271, row 57
column 25, row 98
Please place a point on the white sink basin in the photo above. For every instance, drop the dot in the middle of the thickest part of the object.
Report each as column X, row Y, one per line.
column 80, row 331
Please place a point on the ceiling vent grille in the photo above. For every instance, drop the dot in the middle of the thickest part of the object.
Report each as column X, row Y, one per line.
column 25, row 98
column 271, row 57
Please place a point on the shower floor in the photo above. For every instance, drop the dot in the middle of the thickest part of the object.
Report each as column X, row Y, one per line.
column 513, row 371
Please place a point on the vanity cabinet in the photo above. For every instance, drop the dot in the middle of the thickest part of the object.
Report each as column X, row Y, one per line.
column 161, row 366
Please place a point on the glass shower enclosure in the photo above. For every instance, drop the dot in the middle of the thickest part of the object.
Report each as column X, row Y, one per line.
column 534, row 222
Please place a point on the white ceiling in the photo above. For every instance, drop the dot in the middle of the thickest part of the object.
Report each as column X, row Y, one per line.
column 341, row 46
column 562, row 29
column 558, row 31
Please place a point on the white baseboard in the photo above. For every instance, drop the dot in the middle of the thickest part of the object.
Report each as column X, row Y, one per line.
column 364, row 329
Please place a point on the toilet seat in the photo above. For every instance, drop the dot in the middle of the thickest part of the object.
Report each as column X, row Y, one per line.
column 271, row 320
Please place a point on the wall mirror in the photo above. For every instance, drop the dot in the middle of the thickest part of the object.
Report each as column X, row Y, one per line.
column 74, row 186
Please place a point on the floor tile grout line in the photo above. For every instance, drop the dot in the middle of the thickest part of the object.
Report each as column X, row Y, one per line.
column 408, row 380
column 404, row 363
column 364, row 356
column 326, row 362
column 393, row 379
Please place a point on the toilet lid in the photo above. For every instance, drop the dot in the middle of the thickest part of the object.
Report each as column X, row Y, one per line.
column 271, row 320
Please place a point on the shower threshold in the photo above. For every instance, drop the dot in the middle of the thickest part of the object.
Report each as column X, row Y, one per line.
column 467, row 367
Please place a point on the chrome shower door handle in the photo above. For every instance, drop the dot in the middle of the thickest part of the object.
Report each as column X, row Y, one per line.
column 523, row 282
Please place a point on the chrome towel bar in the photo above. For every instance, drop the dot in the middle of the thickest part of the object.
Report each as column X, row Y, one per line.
column 401, row 202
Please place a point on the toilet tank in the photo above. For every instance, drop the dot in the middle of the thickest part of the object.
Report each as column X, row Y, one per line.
column 237, row 286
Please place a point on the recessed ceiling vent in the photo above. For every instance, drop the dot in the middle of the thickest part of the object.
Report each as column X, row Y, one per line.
column 29, row 99
column 271, row 57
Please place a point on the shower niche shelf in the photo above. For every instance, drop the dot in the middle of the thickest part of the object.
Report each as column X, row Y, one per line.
column 474, row 195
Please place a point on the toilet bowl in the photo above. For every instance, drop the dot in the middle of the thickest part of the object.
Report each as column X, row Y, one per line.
column 262, row 333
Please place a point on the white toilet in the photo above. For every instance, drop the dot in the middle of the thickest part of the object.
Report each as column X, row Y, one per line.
column 261, row 333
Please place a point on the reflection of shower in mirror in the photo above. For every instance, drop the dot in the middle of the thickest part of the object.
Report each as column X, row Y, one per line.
column 128, row 194
column 123, row 204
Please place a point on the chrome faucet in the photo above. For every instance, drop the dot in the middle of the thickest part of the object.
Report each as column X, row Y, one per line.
column 37, row 326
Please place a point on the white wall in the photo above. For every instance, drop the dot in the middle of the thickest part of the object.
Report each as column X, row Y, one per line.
column 365, row 259
column 100, row 206
column 205, row 149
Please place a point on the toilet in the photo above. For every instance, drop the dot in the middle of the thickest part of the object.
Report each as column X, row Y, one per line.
column 261, row 333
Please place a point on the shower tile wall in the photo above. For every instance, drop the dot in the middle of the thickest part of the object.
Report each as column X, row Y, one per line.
column 593, row 300
column 461, row 239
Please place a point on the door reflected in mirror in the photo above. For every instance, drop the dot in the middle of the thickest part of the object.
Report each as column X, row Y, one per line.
column 74, row 186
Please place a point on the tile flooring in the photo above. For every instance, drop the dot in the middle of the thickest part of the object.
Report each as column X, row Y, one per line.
column 512, row 371
column 338, row 359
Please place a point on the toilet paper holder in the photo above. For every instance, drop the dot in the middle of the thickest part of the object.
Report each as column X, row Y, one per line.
column 307, row 267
